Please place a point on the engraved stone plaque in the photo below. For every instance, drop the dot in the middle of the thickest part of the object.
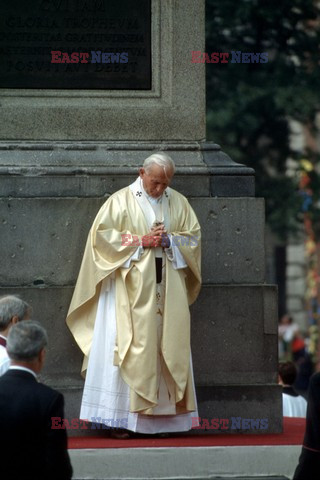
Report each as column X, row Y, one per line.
column 75, row 44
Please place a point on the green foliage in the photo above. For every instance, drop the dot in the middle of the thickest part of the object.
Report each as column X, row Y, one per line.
column 249, row 104
column 311, row 194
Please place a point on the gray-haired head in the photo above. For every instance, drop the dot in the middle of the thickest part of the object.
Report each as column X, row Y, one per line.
column 12, row 306
column 162, row 160
column 26, row 340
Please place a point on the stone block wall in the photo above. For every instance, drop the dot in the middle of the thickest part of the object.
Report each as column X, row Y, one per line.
column 45, row 216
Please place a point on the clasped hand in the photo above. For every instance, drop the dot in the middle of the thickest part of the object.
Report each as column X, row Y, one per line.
column 158, row 237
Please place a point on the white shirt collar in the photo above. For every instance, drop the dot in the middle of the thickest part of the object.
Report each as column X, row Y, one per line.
column 24, row 369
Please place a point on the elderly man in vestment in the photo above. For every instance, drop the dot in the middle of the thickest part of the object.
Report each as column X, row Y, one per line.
column 130, row 309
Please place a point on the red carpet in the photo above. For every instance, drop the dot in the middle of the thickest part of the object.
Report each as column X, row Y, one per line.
column 292, row 435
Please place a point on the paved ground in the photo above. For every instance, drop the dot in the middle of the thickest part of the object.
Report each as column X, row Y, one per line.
column 224, row 478
column 199, row 463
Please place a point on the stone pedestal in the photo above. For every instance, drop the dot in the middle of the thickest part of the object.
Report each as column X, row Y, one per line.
column 63, row 152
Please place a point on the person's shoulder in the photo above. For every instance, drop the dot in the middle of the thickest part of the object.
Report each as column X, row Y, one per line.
column 112, row 202
column 177, row 196
column 50, row 393
column 114, row 197
column 120, row 193
column 302, row 399
column 49, row 398
column 315, row 379
column 25, row 381
column 48, row 390
column 4, row 365
column 3, row 353
column 180, row 203
column 3, row 375
column 287, row 397
column 16, row 376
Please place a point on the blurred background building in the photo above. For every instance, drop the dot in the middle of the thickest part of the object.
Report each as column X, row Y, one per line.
column 267, row 116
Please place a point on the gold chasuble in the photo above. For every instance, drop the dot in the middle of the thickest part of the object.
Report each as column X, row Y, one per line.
column 115, row 235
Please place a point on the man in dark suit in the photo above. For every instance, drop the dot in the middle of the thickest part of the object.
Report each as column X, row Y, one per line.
column 12, row 310
column 309, row 461
column 30, row 448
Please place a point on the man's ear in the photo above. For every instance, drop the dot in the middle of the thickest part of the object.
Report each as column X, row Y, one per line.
column 15, row 319
column 141, row 171
column 42, row 356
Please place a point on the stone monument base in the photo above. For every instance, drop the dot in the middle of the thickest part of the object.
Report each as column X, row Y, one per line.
column 50, row 194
